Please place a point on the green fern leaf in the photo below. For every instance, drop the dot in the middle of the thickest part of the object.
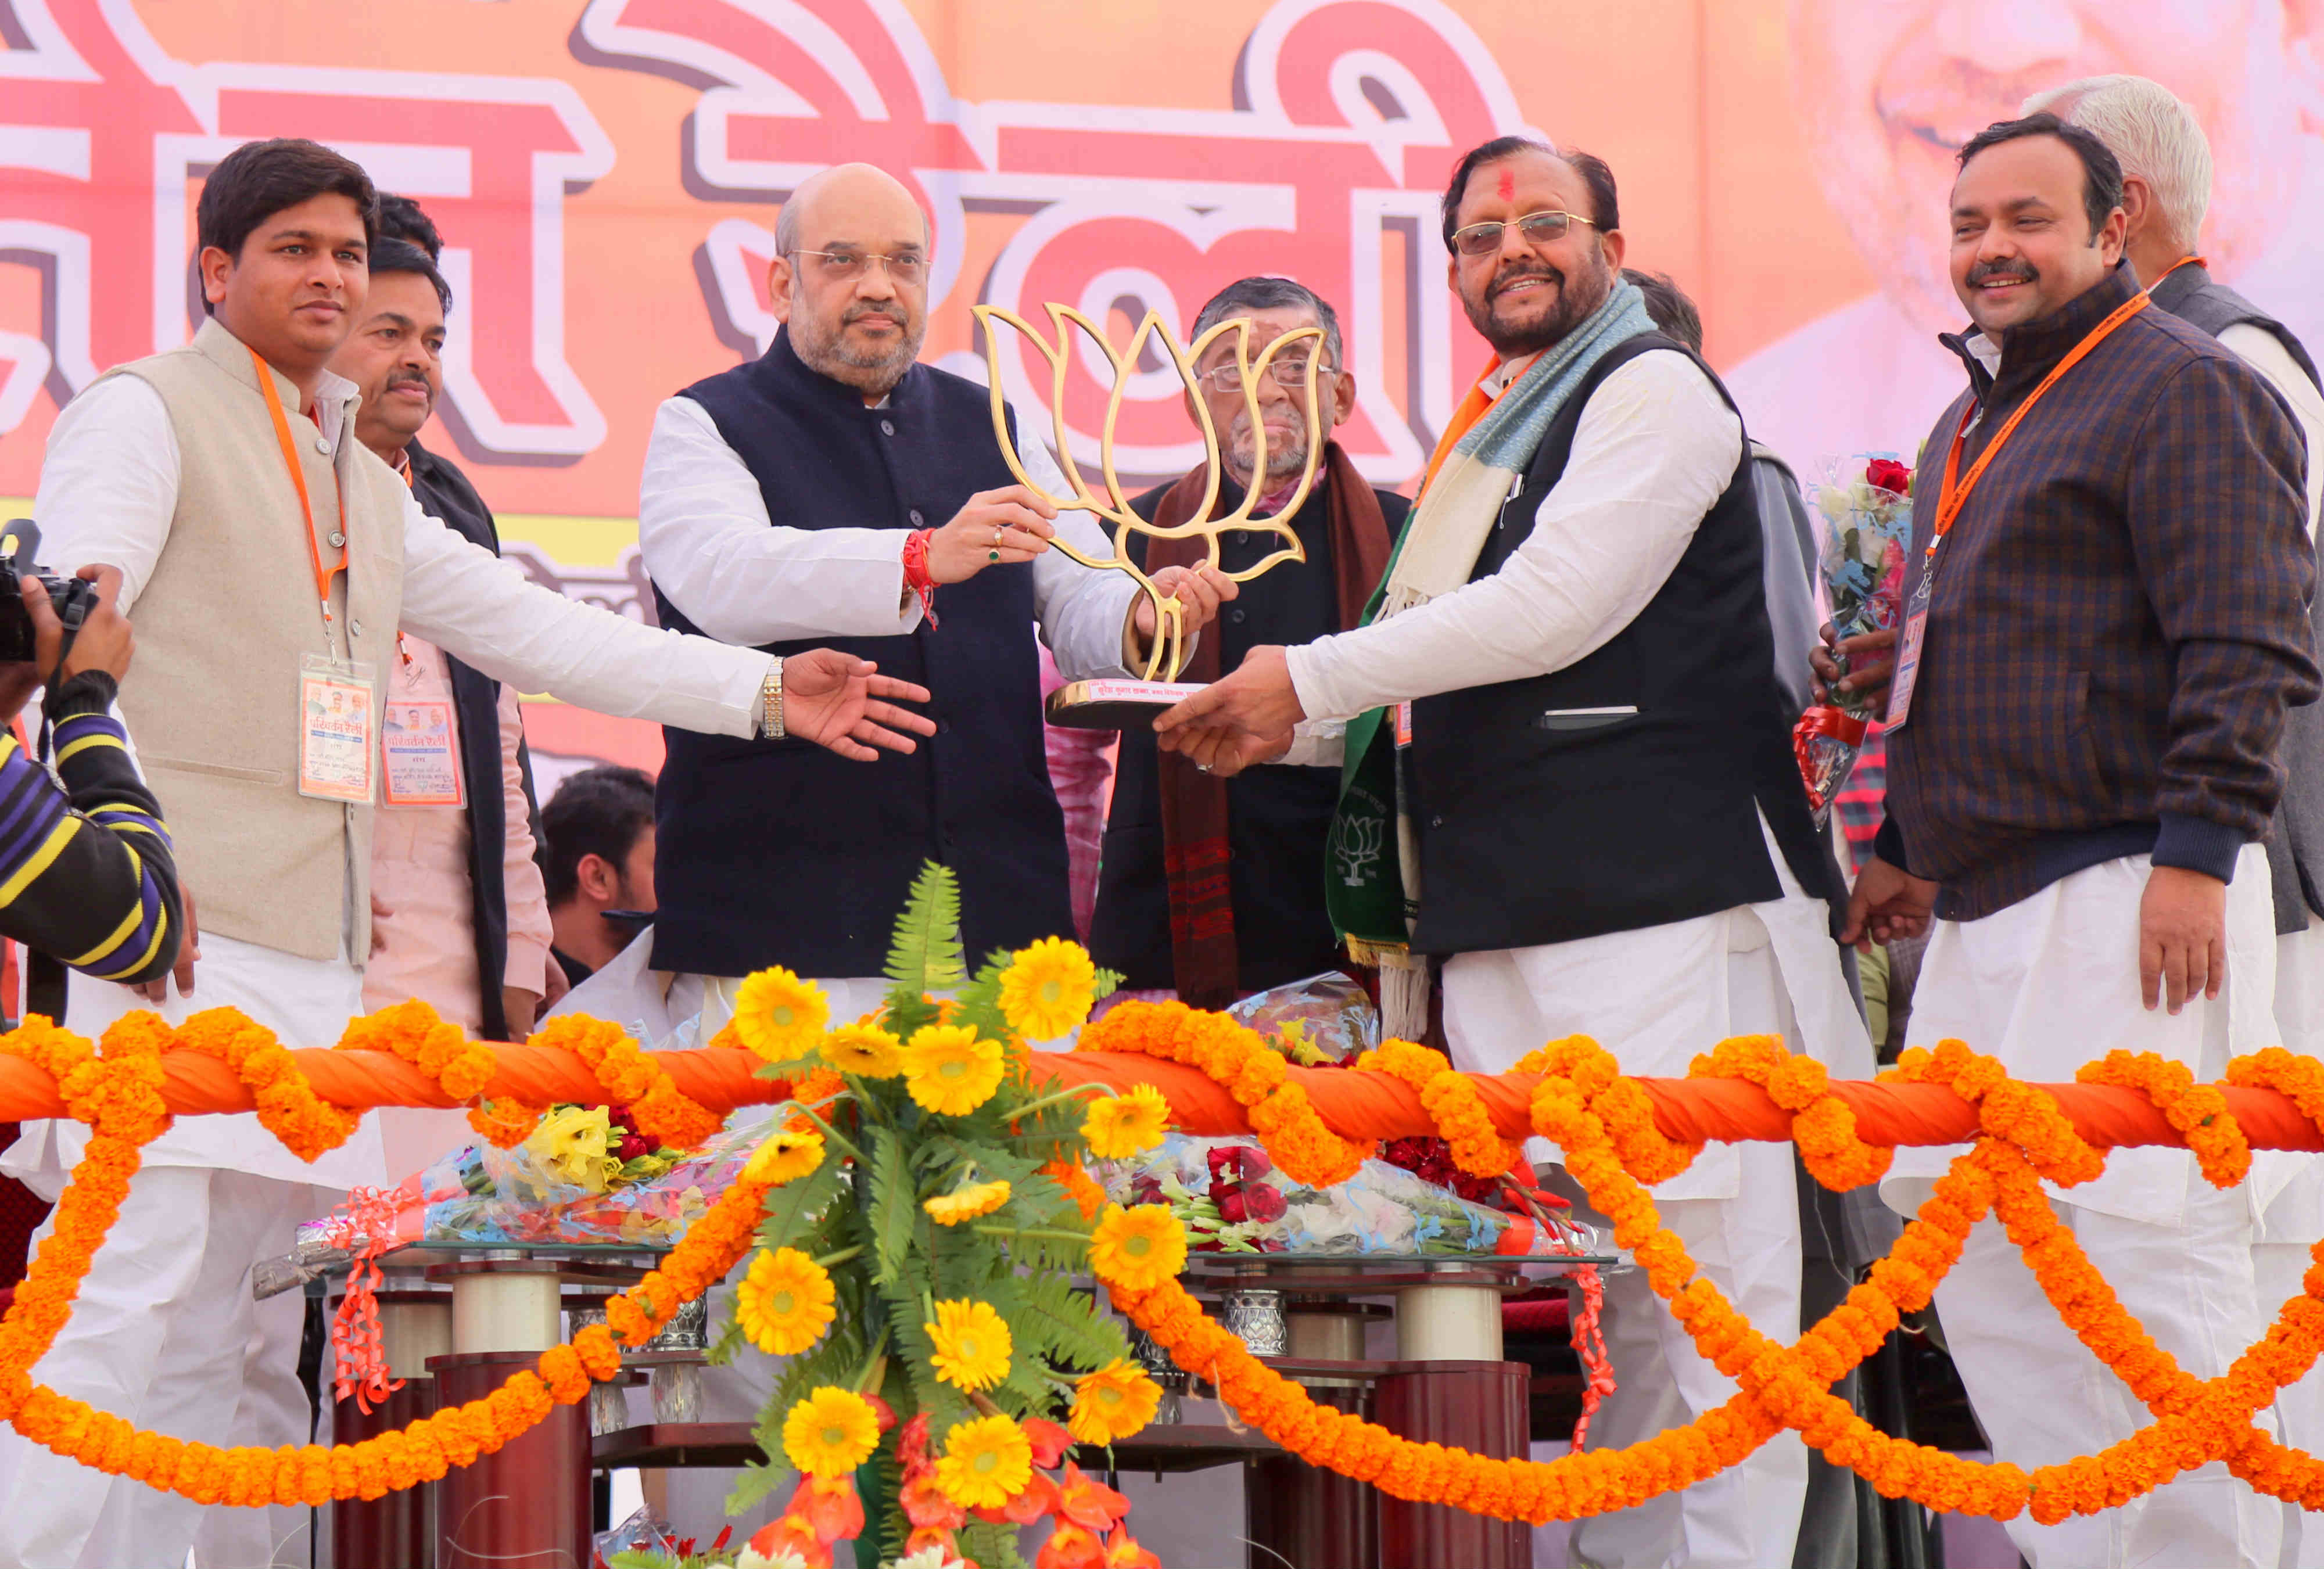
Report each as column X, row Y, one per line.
column 925, row 955
column 892, row 1209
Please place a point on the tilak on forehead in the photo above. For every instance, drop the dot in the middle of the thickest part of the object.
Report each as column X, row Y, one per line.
column 1509, row 185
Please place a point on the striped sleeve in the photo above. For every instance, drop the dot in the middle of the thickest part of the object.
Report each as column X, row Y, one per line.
column 86, row 875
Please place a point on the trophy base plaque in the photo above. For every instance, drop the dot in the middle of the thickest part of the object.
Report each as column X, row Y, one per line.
column 1116, row 705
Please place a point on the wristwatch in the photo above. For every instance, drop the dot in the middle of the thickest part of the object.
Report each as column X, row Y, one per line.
column 771, row 703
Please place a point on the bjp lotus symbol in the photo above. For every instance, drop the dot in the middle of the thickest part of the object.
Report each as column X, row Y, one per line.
column 1116, row 705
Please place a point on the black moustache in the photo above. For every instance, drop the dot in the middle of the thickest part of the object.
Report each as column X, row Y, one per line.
column 1502, row 285
column 1985, row 274
column 407, row 381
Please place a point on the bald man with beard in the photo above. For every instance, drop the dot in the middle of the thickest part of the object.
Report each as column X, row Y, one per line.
column 782, row 501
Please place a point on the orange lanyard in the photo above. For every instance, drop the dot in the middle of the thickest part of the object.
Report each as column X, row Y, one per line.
column 323, row 575
column 2182, row 262
column 1954, row 495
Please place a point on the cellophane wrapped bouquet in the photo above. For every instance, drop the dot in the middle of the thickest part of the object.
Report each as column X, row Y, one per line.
column 1865, row 502
column 1232, row 1199
column 583, row 1176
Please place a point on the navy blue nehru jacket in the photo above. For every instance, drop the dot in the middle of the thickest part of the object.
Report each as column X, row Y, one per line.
column 782, row 852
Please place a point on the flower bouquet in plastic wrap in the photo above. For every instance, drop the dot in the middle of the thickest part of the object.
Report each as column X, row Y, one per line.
column 1231, row 1198
column 1867, row 513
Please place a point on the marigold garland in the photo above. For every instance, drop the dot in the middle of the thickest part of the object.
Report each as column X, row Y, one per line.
column 119, row 1095
column 1611, row 1148
column 461, row 1068
column 1452, row 1098
column 1823, row 1128
column 1236, row 1058
column 1604, row 1122
column 306, row 1125
column 630, row 1077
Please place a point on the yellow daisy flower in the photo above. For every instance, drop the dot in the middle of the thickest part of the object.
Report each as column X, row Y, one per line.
column 830, row 1432
column 985, row 1464
column 1048, row 989
column 1138, row 1249
column 966, row 1204
column 1121, row 1126
column 948, row 1070
column 972, row 1344
column 788, row 1155
column 865, row 1050
column 780, row 1016
column 784, row 1303
column 1112, row 1403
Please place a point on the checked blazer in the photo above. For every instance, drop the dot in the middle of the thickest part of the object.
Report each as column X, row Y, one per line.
column 2119, row 619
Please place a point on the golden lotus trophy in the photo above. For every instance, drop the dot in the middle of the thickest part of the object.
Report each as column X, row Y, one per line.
column 1118, row 704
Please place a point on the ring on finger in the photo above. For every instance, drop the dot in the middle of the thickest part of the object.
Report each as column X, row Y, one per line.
column 999, row 530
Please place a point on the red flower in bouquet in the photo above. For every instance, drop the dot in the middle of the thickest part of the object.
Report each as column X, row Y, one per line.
column 1887, row 474
column 1071, row 1546
column 1237, row 1163
column 793, row 1534
column 830, row 1506
column 1122, row 1552
column 1039, row 1497
column 1089, row 1502
column 1050, row 1441
column 926, row 1506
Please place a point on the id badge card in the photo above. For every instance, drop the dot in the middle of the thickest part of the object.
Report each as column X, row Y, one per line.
column 1404, row 725
column 336, row 712
column 421, row 753
column 1908, row 651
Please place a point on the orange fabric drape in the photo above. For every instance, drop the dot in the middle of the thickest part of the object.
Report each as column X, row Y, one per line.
column 1355, row 1105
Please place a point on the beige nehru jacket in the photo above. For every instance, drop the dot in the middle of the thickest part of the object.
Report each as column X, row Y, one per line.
column 222, row 626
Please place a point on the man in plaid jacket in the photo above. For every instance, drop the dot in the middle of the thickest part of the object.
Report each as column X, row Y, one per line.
column 2105, row 629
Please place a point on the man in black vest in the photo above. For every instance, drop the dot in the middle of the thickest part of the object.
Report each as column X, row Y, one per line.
column 834, row 489
column 1214, row 888
column 1582, row 795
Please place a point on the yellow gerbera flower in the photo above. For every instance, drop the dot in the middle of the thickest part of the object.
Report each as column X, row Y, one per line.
column 865, row 1050
column 1048, row 989
column 972, row 1344
column 788, row 1155
column 966, row 1204
column 947, row 1069
column 1112, row 1403
column 784, row 1303
column 1121, row 1126
column 985, row 1464
column 830, row 1432
column 780, row 1016
column 1138, row 1249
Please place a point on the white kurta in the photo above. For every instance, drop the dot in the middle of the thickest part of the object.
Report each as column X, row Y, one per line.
column 108, row 494
column 1652, row 452
column 2045, row 985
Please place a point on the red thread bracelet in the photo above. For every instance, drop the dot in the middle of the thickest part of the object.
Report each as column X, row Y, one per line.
column 915, row 571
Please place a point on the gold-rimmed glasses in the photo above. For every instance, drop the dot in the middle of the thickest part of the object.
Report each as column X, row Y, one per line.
column 1539, row 228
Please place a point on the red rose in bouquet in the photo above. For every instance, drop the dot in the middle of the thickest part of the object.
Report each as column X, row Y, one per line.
column 1887, row 474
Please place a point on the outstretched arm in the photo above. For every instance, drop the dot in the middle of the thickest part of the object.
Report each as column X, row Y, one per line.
column 468, row 602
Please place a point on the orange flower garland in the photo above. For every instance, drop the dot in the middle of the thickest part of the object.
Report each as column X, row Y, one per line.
column 306, row 1125
column 1236, row 1058
column 118, row 1094
column 1452, row 1098
column 1822, row 1126
column 627, row 1074
column 461, row 1068
column 1604, row 1123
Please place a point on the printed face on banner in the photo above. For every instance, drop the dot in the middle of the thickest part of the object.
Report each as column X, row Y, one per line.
column 1889, row 92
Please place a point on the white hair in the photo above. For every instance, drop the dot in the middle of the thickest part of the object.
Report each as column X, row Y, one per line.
column 2155, row 136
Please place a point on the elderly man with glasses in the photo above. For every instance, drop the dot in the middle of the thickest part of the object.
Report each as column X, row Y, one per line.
column 836, row 490
column 1213, row 888
column 1568, row 777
